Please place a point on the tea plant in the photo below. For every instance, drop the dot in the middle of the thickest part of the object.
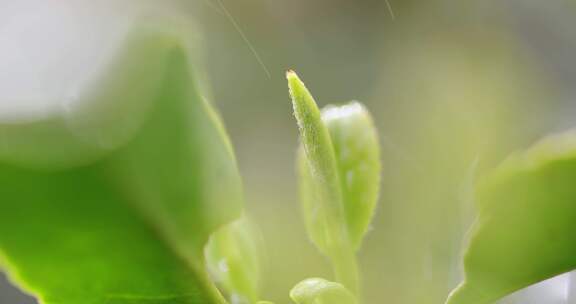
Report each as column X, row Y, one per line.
column 339, row 172
column 527, row 206
column 89, row 214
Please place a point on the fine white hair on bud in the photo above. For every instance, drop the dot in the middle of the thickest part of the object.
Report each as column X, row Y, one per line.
column 339, row 176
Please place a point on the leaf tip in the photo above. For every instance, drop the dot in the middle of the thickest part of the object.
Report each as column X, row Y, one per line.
column 295, row 84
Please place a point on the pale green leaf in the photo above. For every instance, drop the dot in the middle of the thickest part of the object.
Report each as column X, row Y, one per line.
column 320, row 186
column 525, row 230
column 320, row 291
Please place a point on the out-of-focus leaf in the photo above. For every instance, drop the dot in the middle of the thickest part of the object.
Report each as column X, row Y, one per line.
column 233, row 258
column 70, row 238
column 127, row 225
column 180, row 168
column 320, row 291
column 104, row 114
column 525, row 230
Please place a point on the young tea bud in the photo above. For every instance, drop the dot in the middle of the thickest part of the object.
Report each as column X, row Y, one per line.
column 339, row 168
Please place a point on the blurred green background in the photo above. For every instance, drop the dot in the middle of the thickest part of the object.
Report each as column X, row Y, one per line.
column 454, row 86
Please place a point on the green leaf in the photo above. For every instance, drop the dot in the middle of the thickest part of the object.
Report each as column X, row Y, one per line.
column 233, row 258
column 355, row 144
column 320, row 291
column 70, row 238
column 525, row 230
column 103, row 114
column 127, row 221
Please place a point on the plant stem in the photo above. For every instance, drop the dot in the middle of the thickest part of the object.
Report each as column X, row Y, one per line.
column 346, row 269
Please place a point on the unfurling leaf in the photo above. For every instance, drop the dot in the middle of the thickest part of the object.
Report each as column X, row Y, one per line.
column 357, row 151
column 322, row 177
column 526, row 228
column 233, row 258
column 320, row 291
